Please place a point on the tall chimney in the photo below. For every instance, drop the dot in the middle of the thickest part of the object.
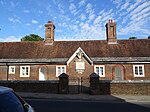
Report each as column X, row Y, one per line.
column 111, row 31
column 49, row 33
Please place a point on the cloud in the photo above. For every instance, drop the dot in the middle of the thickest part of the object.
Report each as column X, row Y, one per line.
column 91, row 32
column 89, row 8
column 134, row 17
column 59, row 31
column 34, row 21
column 124, row 6
column 91, row 17
column 12, row 4
column 61, row 8
column 72, row 8
column 3, row 3
column 40, row 11
column 63, row 24
column 103, row 17
column 26, row 11
column 133, row 6
column 40, row 26
column 97, row 20
column 82, row 3
column 74, row 27
column 14, row 20
column 10, row 39
column 55, row 1
column 82, row 17
column 117, row 2
column 141, row 14
column 140, row 7
column 28, row 24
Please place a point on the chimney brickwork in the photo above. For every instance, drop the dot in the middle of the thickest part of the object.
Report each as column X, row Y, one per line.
column 49, row 33
column 111, row 31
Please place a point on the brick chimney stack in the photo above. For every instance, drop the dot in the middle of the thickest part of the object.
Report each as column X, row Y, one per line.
column 49, row 33
column 111, row 31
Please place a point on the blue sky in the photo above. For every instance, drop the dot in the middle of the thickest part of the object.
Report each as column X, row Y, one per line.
column 74, row 19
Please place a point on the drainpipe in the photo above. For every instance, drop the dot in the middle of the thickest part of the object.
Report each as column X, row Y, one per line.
column 7, row 70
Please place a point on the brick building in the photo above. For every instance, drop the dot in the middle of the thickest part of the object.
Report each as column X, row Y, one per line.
column 111, row 59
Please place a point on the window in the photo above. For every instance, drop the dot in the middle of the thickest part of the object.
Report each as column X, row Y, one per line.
column 138, row 70
column 11, row 69
column 60, row 70
column 24, row 71
column 100, row 70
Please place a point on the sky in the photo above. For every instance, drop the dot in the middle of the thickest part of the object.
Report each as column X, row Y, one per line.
column 74, row 19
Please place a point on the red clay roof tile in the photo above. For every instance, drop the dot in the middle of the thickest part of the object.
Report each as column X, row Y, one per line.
column 64, row 49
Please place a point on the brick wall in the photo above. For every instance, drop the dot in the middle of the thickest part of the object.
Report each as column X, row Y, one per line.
column 124, row 87
column 3, row 72
column 32, row 86
column 51, row 72
column 62, row 86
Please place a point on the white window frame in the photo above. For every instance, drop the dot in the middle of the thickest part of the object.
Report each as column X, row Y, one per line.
column 61, row 66
column 100, row 66
column 26, row 74
column 138, row 75
column 10, row 69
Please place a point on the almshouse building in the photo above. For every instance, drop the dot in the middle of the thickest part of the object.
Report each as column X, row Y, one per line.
column 111, row 59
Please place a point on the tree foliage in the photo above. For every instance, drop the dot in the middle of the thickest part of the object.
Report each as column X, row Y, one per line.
column 133, row 38
column 32, row 37
column 148, row 37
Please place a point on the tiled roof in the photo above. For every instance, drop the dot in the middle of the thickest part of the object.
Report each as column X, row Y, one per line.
column 64, row 49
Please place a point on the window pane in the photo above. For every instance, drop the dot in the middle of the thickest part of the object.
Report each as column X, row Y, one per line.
column 59, row 70
column 27, row 70
column 140, row 70
column 23, row 70
column 63, row 70
column 101, row 70
column 12, row 69
column 136, row 70
column 97, row 70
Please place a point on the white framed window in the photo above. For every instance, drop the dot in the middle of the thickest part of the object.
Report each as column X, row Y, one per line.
column 11, row 69
column 138, row 70
column 60, row 69
column 99, row 70
column 24, row 71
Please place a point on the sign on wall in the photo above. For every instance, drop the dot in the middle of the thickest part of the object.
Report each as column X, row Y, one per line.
column 80, row 66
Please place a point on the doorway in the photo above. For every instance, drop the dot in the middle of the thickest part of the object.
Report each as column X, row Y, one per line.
column 119, row 72
column 79, row 85
column 42, row 73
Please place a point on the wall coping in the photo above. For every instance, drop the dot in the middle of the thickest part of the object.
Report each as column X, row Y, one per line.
column 29, row 81
column 125, row 81
column 33, row 60
column 121, row 59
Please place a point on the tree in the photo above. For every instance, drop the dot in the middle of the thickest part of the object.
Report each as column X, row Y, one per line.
column 32, row 37
column 148, row 37
column 133, row 38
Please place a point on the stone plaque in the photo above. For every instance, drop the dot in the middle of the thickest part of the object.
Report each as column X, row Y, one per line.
column 80, row 65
